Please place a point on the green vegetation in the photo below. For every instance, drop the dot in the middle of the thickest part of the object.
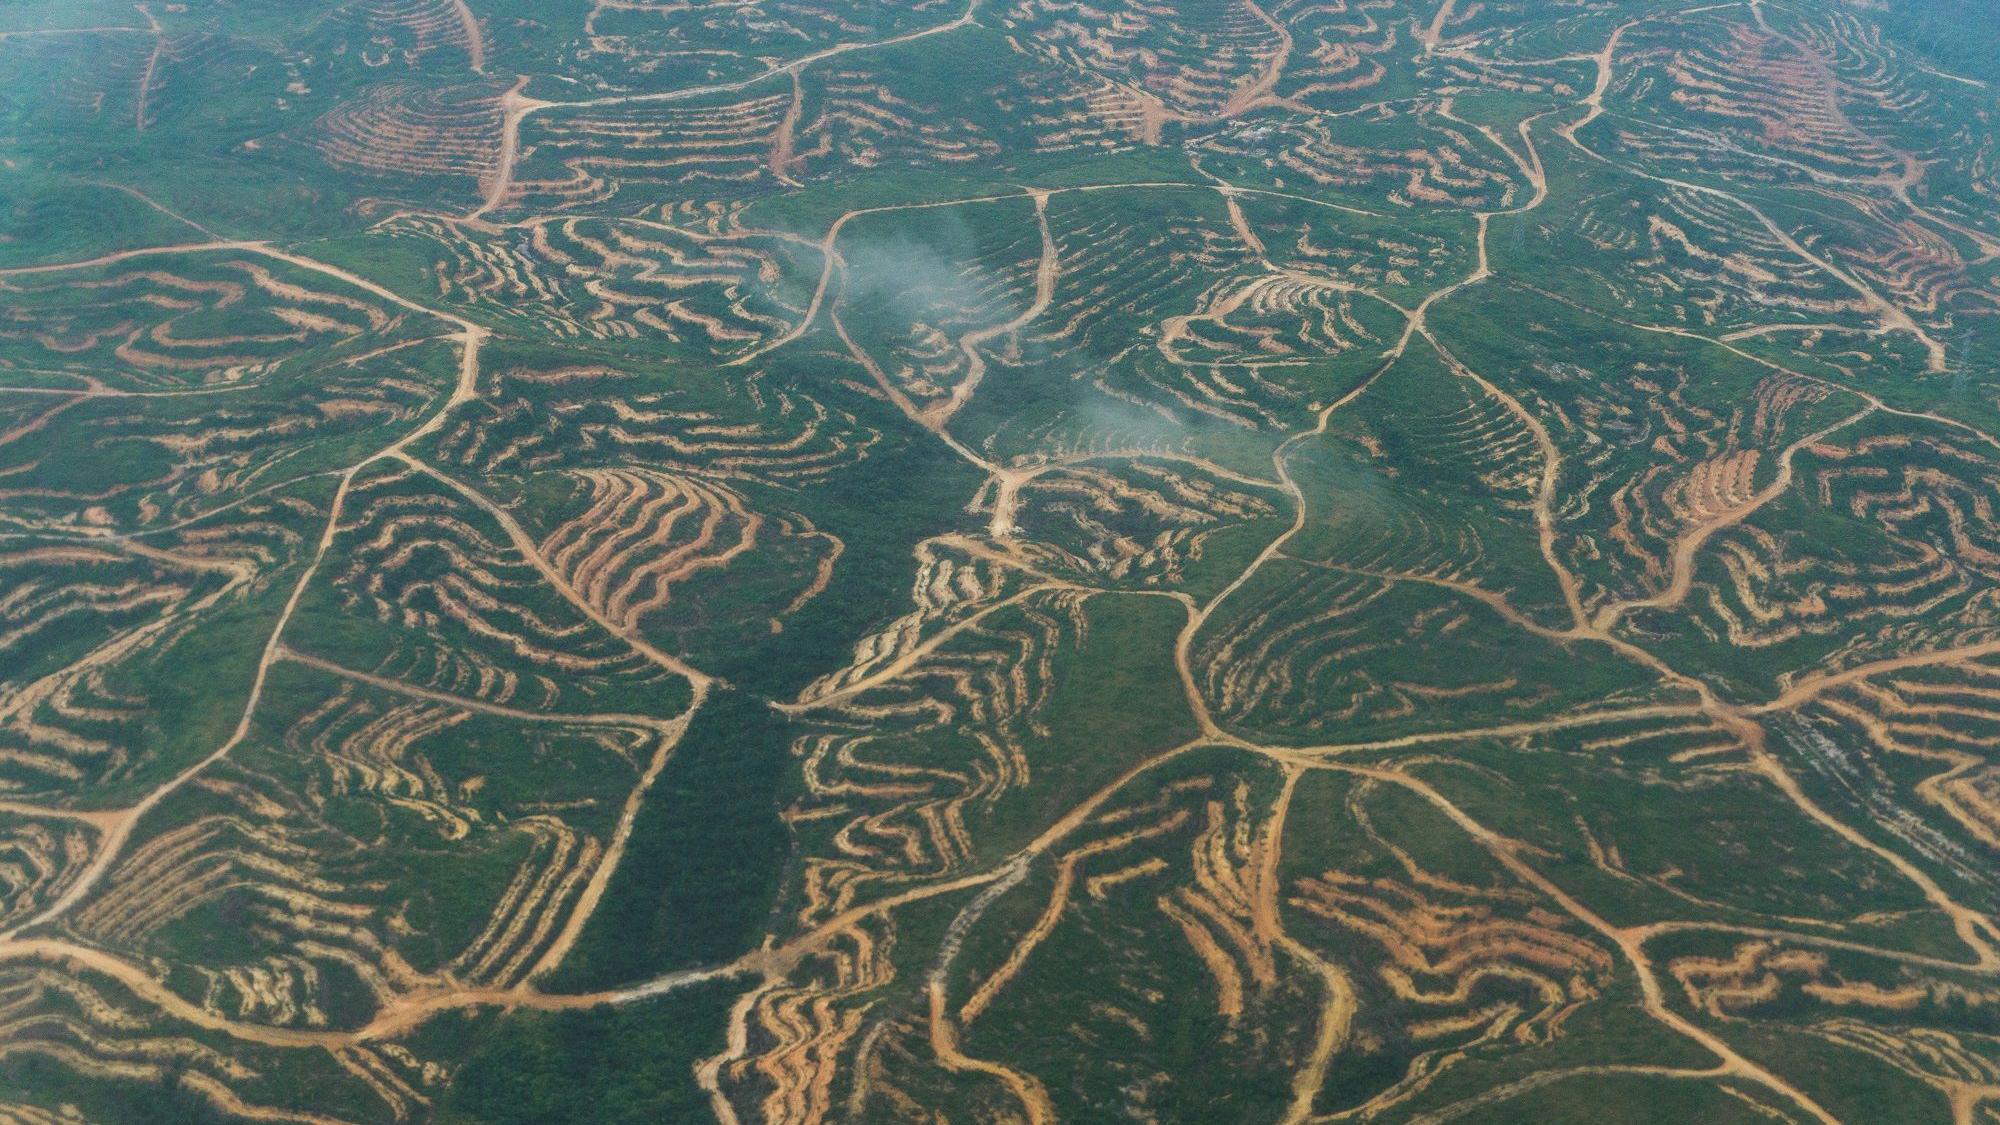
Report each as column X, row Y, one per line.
column 706, row 856
column 627, row 1065
column 919, row 560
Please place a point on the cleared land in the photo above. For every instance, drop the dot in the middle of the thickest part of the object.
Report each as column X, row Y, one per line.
column 1009, row 560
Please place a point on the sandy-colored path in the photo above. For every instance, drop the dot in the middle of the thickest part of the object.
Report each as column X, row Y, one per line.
column 475, row 37
column 152, row 67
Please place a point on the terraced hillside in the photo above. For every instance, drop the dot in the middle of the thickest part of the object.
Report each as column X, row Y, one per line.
column 999, row 561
